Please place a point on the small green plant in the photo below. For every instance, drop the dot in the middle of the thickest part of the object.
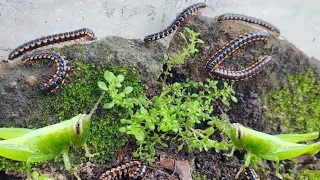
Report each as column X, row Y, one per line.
column 37, row 176
column 179, row 59
column 176, row 112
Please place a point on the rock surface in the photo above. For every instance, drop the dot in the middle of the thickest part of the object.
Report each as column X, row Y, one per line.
column 17, row 94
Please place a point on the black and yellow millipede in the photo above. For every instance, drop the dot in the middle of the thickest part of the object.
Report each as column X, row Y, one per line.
column 62, row 68
column 84, row 33
column 130, row 170
column 249, row 19
column 245, row 73
column 177, row 22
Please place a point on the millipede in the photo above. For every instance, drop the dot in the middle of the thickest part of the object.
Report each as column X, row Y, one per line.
column 132, row 169
column 245, row 73
column 177, row 22
column 251, row 173
column 62, row 68
column 84, row 33
column 231, row 47
column 249, row 19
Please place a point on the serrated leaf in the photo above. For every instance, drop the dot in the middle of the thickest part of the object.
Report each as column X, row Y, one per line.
column 128, row 90
column 108, row 105
column 102, row 85
column 109, row 76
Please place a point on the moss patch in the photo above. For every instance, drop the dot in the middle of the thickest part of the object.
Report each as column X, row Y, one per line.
column 198, row 176
column 308, row 174
column 297, row 103
column 79, row 96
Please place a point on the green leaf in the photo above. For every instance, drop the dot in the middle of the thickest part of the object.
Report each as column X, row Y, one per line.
column 164, row 145
column 200, row 41
column 151, row 126
column 234, row 99
column 120, row 78
column 180, row 147
column 118, row 85
column 122, row 129
column 121, row 95
column 35, row 175
column 143, row 110
column 108, row 105
column 209, row 131
column 102, row 85
column 44, row 177
column 138, row 135
column 189, row 30
column 128, row 90
column 109, row 76
column 183, row 36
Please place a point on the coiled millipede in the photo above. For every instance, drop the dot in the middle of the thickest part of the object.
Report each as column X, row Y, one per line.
column 62, row 68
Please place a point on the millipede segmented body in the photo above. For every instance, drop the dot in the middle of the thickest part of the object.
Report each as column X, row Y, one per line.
column 132, row 169
column 249, row 19
column 177, row 22
column 84, row 33
column 251, row 173
column 231, row 47
column 245, row 73
column 62, row 68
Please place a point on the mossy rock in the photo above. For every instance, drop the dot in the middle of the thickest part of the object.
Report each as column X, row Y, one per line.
column 25, row 106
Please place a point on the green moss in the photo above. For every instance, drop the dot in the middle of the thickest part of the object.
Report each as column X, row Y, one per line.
column 298, row 103
column 12, row 165
column 308, row 174
column 198, row 176
column 75, row 48
column 79, row 96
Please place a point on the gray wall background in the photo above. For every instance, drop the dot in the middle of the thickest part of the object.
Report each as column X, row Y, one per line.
column 24, row 20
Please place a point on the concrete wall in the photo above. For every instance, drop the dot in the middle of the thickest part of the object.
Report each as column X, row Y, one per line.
column 24, row 20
